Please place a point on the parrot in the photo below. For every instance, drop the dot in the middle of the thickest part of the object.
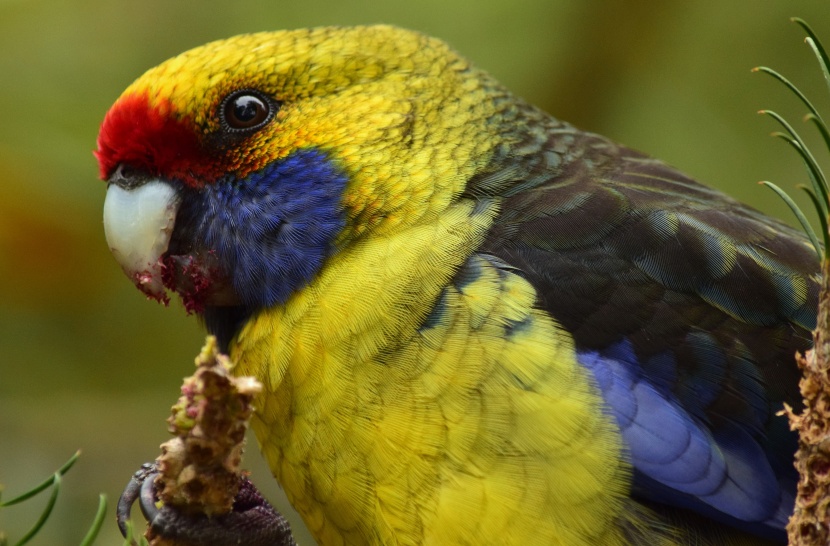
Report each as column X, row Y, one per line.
column 474, row 323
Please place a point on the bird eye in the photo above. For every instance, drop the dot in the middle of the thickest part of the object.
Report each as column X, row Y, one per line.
column 247, row 109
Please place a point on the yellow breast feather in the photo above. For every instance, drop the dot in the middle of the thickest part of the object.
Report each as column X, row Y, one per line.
column 437, row 409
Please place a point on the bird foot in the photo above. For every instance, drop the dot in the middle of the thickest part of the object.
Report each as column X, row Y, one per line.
column 252, row 519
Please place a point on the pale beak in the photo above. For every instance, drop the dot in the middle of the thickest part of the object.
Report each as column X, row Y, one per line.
column 138, row 223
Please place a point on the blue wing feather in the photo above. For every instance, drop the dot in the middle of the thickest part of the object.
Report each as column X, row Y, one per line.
column 679, row 460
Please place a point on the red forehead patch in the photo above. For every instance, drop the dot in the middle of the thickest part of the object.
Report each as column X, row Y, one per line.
column 154, row 139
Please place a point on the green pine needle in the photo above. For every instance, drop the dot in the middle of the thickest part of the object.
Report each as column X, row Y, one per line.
column 818, row 49
column 129, row 540
column 802, row 219
column 56, row 486
column 822, row 219
column 816, row 176
column 796, row 141
column 55, row 483
column 97, row 523
column 790, row 86
column 822, row 128
column 819, row 192
column 46, row 484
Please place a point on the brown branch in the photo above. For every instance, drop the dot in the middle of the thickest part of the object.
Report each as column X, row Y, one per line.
column 203, row 496
column 199, row 469
column 810, row 523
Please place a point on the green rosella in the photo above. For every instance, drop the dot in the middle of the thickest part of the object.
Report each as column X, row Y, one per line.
column 474, row 323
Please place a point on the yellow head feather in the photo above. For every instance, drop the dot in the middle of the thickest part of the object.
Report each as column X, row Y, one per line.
column 400, row 112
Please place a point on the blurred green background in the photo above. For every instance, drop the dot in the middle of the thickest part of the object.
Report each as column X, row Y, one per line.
column 88, row 363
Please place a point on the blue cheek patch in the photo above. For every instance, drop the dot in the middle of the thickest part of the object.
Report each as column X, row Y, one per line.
column 275, row 228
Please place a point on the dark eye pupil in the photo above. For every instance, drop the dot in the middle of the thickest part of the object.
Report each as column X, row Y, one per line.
column 246, row 110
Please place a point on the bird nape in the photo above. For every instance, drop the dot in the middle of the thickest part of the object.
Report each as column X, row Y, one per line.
column 474, row 323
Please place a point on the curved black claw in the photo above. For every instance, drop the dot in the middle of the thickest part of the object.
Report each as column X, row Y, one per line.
column 252, row 517
column 131, row 493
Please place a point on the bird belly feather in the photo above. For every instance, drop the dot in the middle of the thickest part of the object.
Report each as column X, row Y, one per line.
column 433, row 403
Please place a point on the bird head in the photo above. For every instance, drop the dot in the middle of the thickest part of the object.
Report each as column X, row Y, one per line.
column 236, row 169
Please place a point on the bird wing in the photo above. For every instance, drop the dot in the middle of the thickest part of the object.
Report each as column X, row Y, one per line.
column 686, row 305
